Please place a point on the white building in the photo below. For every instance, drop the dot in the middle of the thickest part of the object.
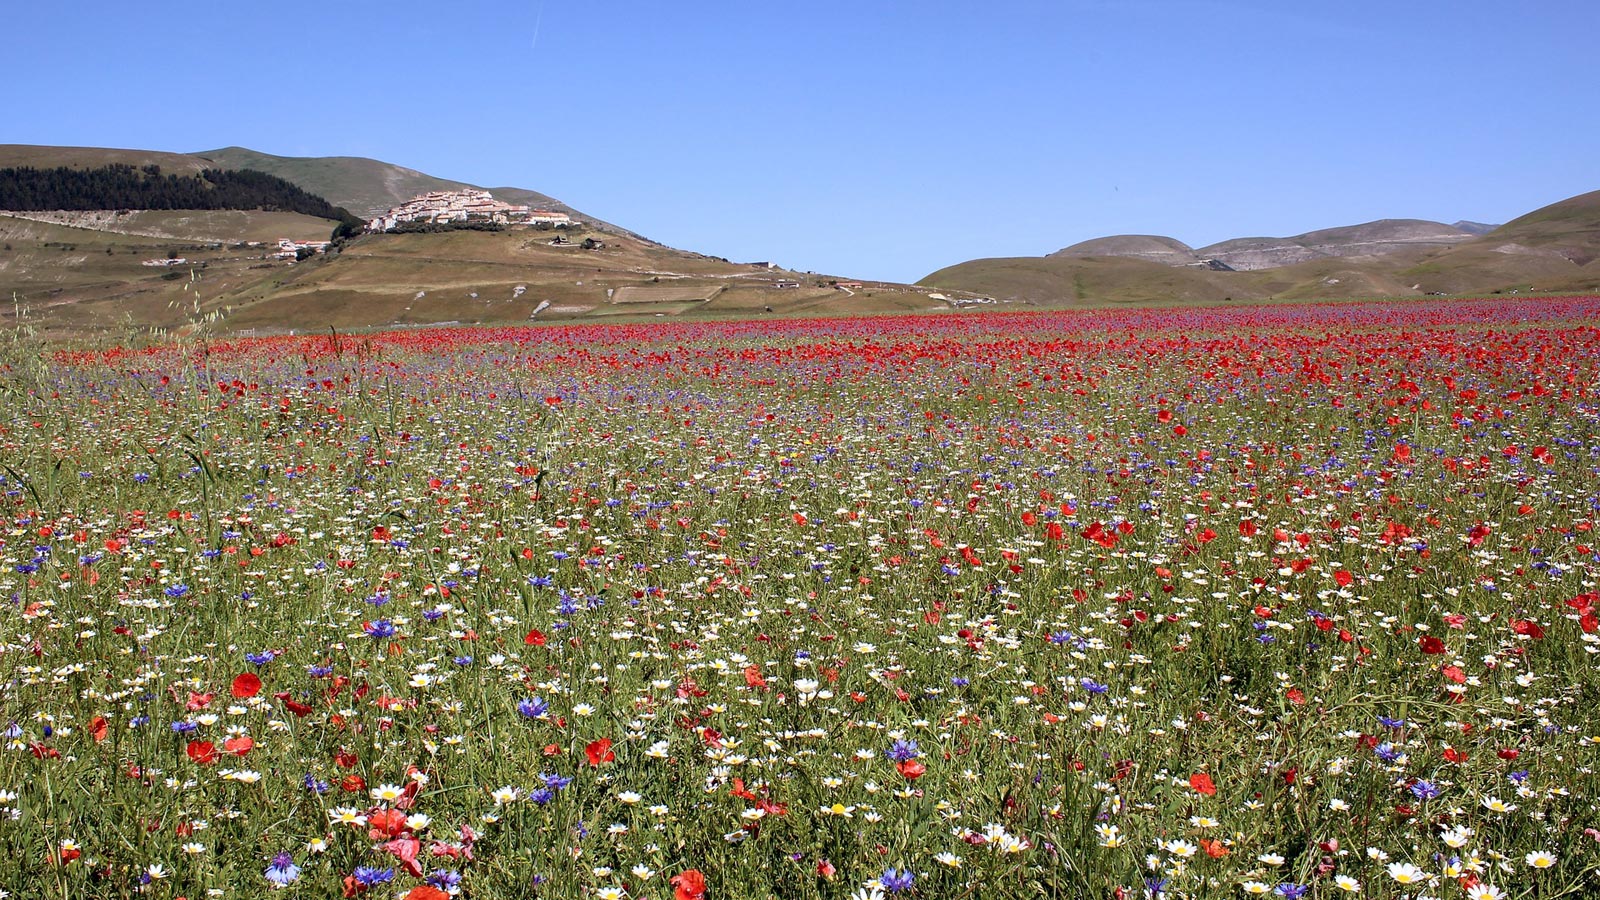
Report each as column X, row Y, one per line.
column 463, row 206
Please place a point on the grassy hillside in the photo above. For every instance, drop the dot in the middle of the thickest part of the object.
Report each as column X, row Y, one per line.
column 1553, row 248
column 368, row 187
column 59, row 278
column 199, row 225
column 474, row 276
column 1150, row 247
column 1090, row 281
column 1570, row 227
column 45, row 157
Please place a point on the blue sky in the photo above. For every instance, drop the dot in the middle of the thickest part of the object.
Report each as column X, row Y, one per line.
column 870, row 139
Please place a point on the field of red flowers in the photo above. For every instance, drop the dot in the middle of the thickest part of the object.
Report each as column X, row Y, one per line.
column 1295, row 601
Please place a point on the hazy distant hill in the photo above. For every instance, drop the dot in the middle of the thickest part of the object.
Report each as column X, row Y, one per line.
column 1380, row 238
column 1556, row 248
column 368, row 187
column 1148, row 247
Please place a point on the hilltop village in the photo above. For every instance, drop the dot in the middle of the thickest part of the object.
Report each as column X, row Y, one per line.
column 444, row 207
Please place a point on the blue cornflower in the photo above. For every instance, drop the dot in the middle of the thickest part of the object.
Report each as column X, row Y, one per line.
column 542, row 796
column 896, row 880
column 1425, row 790
column 532, row 707
column 1291, row 891
column 379, row 629
column 903, row 751
column 1392, row 723
column 282, row 871
column 1092, row 686
column 443, row 879
column 555, row 782
column 370, row 875
column 260, row 659
column 176, row 591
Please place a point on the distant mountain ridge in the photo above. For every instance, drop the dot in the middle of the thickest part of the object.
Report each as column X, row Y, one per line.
column 1380, row 238
column 1555, row 248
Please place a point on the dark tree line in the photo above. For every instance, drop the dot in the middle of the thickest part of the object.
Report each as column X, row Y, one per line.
column 121, row 186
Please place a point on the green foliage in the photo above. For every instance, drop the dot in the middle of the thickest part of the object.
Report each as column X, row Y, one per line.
column 119, row 186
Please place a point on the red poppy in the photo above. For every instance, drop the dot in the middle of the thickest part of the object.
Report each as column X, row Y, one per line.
column 239, row 746
column 386, row 823
column 202, row 752
column 426, row 892
column 405, row 849
column 1528, row 628
column 911, row 769
column 599, row 752
column 534, row 638
column 1202, row 782
column 1430, row 644
column 246, row 685
column 689, row 884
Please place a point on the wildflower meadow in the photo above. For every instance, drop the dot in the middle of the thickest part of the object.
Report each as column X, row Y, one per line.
column 1293, row 601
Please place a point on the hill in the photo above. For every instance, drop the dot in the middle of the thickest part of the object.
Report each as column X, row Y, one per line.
column 1556, row 248
column 1381, row 238
column 113, row 190
column 1058, row 280
column 368, row 187
column 43, row 157
column 1149, row 247
column 1570, row 228
column 74, row 281
column 518, row 275
column 100, row 270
